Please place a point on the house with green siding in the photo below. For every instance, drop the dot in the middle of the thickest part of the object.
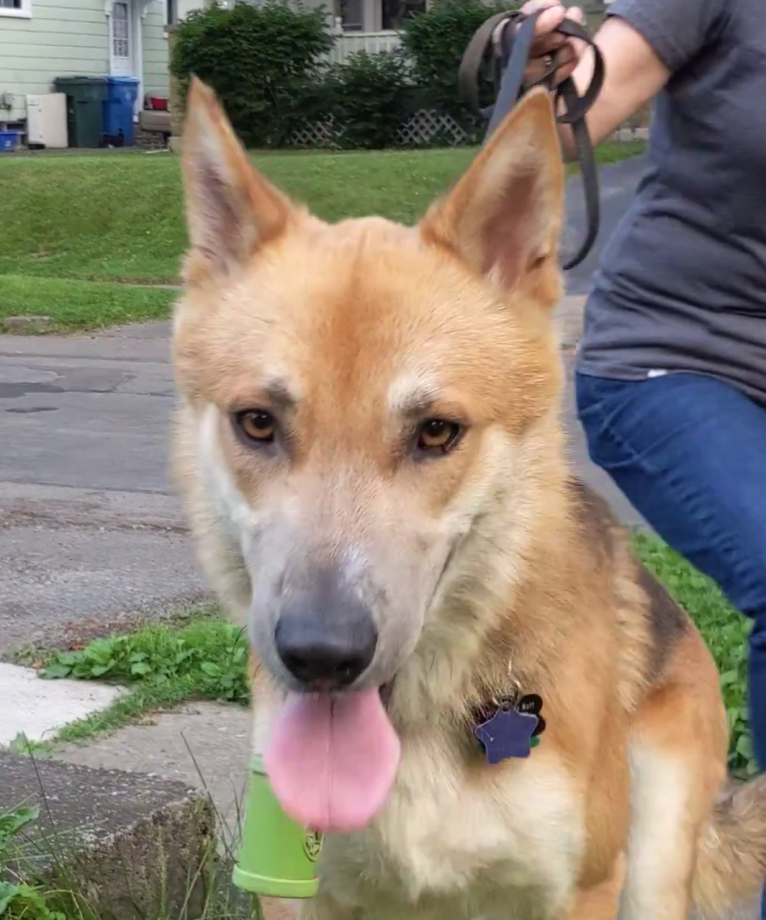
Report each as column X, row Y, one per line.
column 44, row 39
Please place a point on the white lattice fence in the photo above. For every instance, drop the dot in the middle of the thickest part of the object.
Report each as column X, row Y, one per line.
column 423, row 128
column 317, row 134
column 428, row 126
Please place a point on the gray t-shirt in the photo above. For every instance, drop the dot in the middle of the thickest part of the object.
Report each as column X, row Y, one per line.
column 681, row 285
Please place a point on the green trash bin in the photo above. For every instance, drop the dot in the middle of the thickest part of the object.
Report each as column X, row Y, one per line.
column 84, row 108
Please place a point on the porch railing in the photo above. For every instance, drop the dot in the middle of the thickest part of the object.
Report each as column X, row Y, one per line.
column 347, row 43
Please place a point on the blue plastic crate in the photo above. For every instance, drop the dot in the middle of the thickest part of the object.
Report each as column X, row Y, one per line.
column 9, row 140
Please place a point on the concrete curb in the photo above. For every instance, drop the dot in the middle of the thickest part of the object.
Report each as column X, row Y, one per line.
column 130, row 844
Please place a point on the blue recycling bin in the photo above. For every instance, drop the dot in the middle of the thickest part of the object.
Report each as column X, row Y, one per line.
column 119, row 106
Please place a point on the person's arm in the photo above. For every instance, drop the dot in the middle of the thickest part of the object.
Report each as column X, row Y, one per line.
column 634, row 73
column 634, row 76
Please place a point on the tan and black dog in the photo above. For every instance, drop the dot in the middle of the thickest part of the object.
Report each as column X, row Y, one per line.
column 370, row 450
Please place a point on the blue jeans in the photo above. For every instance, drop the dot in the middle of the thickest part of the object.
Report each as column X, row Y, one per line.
column 689, row 452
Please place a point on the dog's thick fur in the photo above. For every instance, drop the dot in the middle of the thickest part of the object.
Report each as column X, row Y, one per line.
column 485, row 565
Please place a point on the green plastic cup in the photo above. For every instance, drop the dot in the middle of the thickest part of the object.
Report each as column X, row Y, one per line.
column 277, row 856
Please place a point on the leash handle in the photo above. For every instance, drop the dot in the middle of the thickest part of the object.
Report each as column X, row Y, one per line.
column 504, row 43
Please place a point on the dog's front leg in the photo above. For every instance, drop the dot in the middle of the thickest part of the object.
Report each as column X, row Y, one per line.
column 676, row 768
column 662, row 838
column 601, row 902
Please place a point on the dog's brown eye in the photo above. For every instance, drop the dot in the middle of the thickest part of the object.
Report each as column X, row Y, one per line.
column 257, row 425
column 437, row 434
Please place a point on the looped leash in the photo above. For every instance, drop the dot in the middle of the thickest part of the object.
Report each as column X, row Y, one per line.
column 500, row 48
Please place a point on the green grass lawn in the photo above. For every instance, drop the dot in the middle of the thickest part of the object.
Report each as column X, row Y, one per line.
column 75, row 306
column 206, row 658
column 119, row 218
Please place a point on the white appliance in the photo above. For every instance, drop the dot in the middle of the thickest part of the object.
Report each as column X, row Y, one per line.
column 46, row 120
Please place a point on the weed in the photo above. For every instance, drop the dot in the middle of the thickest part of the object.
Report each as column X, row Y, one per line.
column 208, row 656
column 23, row 745
column 59, row 895
column 161, row 665
column 17, row 898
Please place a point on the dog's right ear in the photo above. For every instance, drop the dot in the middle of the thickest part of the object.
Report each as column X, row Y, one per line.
column 231, row 210
column 504, row 215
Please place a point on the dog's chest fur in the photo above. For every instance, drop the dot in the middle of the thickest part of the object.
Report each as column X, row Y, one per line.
column 507, row 840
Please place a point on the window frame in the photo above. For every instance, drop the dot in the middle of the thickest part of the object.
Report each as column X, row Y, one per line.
column 23, row 11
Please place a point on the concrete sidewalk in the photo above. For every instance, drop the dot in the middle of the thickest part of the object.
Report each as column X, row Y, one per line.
column 90, row 535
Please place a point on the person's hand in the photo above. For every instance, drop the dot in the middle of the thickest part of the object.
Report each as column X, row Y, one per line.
column 550, row 47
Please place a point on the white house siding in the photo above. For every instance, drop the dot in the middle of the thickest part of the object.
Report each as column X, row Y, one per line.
column 66, row 38
column 184, row 7
column 154, row 40
column 61, row 39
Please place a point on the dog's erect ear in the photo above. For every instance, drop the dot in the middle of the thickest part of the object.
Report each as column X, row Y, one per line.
column 231, row 209
column 503, row 217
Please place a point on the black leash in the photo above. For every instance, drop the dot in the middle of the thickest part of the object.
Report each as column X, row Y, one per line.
column 500, row 49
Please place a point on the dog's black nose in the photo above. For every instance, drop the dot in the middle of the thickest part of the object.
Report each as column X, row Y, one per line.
column 326, row 638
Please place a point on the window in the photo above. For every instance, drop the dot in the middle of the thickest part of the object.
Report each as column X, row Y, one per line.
column 120, row 30
column 171, row 12
column 396, row 11
column 19, row 8
column 352, row 15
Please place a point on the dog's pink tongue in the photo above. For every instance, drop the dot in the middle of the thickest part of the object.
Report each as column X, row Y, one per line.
column 332, row 760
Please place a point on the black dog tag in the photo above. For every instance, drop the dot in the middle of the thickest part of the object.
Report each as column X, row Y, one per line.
column 532, row 704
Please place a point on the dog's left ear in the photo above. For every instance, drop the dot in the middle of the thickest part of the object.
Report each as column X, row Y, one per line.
column 504, row 215
column 231, row 209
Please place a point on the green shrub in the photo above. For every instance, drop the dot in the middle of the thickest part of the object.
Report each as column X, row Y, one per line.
column 258, row 60
column 370, row 95
column 436, row 41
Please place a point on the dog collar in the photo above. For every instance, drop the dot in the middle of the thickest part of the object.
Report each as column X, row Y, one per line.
column 509, row 727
